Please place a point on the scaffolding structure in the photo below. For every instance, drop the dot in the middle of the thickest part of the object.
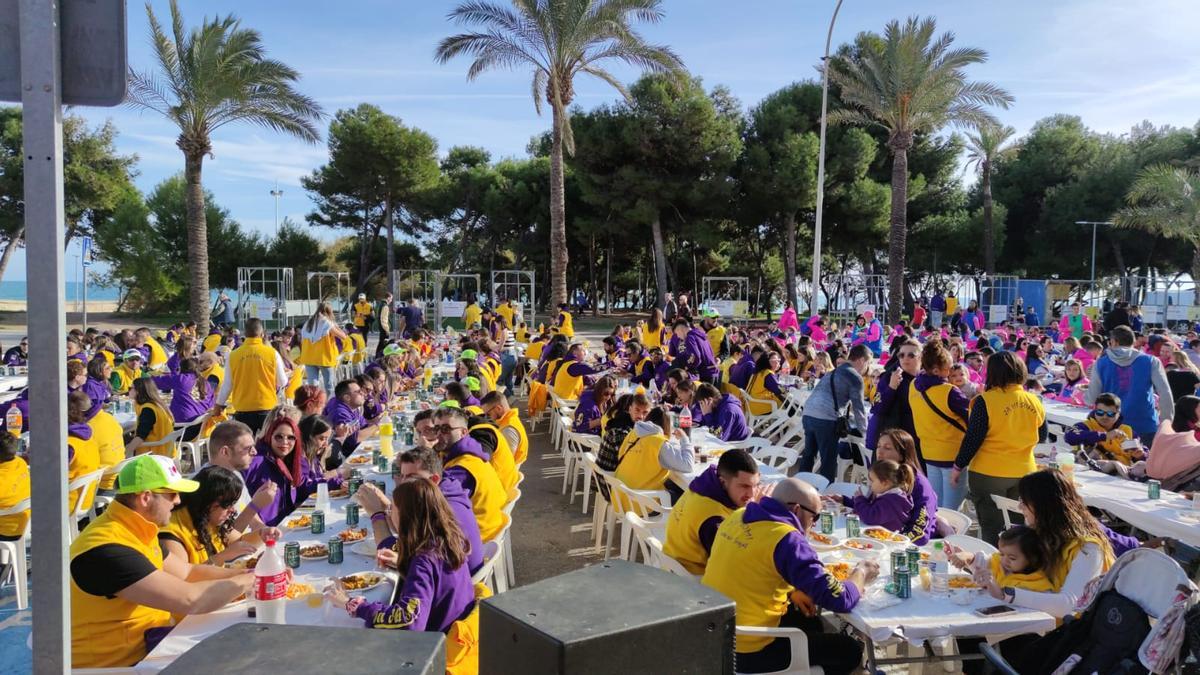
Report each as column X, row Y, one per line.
column 518, row 286
column 727, row 296
column 264, row 293
column 453, row 293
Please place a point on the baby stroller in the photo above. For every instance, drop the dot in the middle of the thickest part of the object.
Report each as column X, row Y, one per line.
column 1132, row 620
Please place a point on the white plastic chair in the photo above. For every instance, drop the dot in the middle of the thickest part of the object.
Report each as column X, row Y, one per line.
column 796, row 639
column 839, row 488
column 815, row 479
column 970, row 544
column 776, row 457
column 640, row 530
column 667, row 563
column 171, row 441
column 514, row 496
column 749, row 443
column 101, row 502
column 486, row 574
column 957, row 520
column 86, row 484
column 1007, row 507
column 604, row 518
column 13, row 553
column 500, row 574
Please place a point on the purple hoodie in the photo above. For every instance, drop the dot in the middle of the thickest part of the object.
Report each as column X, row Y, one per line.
column 698, row 355
column 99, row 391
column 708, row 484
column 891, row 510
column 432, row 597
column 798, row 564
column 173, row 363
column 14, row 357
column 460, row 503
column 660, row 373
column 465, row 446
column 263, row 469
column 184, row 406
column 741, row 372
column 585, row 412
column 81, row 431
column 337, row 412
column 727, row 420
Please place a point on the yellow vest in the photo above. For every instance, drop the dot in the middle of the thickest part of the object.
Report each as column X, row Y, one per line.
column 14, row 488
column 512, row 420
column 1113, row 447
column 715, row 337
column 505, row 312
column 183, row 529
column 651, row 338
column 683, row 529
column 1014, row 417
column 252, row 367
column 211, row 342
column 522, row 335
column 218, row 370
column 566, row 385
column 502, row 458
column 360, row 348
column 362, row 310
column 568, row 325
column 462, row 639
column 471, row 315
column 321, row 353
column 757, row 388
column 164, row 424
column 490, row 371
column 84, row 460
column 158, row 355
column 1033, row 581
column 534, row 351
column 1059, row 572
column 639, row 467
column 488, row 499
column 110, row 632
column 293, row 385
column 110, row 444
column 742, row 567
column 939, row 440
column 125, row 378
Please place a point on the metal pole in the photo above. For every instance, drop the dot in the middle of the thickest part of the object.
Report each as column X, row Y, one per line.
column 85, row 285
column 41, row 100
column 1092, row 282
column 816, row 282
column 276, row 193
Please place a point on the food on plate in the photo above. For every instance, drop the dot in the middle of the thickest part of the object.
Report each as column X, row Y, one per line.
column 353, row 534
column 839, row 570
column 247, row 563
column 820, row 538
column 339, row 493
column 299, row 589
column 314, row 551
column 962, row 581
column 880, row 534
column 359, row 459
column 299, row 522
column 861, row 545
column 360, row 581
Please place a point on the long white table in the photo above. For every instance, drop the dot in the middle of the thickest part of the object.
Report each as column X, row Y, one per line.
column 1064, row 414
column 1167, row 516
column 316, row 573
column 705, row 443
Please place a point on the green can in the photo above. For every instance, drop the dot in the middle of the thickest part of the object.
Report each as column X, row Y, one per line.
column 381, row 464
column 1153, row 489
column 318, row 522
column 356, row 473
column 291, row 554
column 826, row 522
column 408, row 437
column 352, row 514
column 336, row 554
column 382, row 485
column 903, row 582
column 914, row 558
column 899, row 559
column 353, row 484
column 853, row 525
column 375, row 455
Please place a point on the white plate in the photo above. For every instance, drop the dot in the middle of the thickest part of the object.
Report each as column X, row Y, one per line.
column 295, row 528
column 379, row 575
column 365, row 548
column 835, row 540
column 900, row 540
column 368, row 537
column 311, row 542
column 874, row 548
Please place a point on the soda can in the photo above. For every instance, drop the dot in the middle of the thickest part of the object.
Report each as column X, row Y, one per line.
column 826, row 522
column 318, row 522
column 408, row 437
column 335, row 551
column 375, row 455
column 354, row 483
column 382, row 485
column 381, row 464
column 352, row 514
column 853, row 525
column 1053, row 466
column 1153, row 489
column 899, row 559
column 291, row 554
column 914, row 558
column 903, row 582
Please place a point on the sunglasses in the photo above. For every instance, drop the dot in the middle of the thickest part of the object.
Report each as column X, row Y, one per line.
column 815, row 514
column 446, row 428
column 1106, row 413
column 281, row 437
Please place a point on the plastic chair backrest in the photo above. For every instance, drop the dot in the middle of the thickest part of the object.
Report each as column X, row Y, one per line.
column 642, row 531
column 86, row 484
column 20, row 507
column 814, row 479
column 967, row 543
column 666, row 562
column 1007, row 508
column 775, row 456
column 958, row 520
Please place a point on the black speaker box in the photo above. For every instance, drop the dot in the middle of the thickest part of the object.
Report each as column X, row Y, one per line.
column 270, row 648
column 615, row 617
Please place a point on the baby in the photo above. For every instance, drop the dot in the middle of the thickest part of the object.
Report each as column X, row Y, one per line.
column 1018, row 563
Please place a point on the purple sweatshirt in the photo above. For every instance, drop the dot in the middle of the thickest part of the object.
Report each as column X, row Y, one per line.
column 891, row 510
column 465, row 446
column 99, row 391
column 173, row 363
column 337, row 412
column 81, row 431
column 1120, row 543
column 741, row 372
column 698, row 355
column 14, row 357
column 891, row 411
column 922, row 524
column 263, row 469
column 460, row 503
column 798, row 564
column 432, row 597
column 727, row 420
column 708, row 484
column 585, row 412
column 184, row 406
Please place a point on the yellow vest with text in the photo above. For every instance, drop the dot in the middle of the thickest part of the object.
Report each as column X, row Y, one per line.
column 715, row 337
column 183, row 529
column 164, row 424
column 939, row 439
column 683, row 529
column 512, row 420
column 1113, row 448
column 110, row 444
column 502, row 458
column 110, row 632
column 14, row 489
column 742, row 567
column 158, row 355
column 639, row 467
column 568, row 325
column 488, row 499
column 252, row 367
column 566, row 385
column 757, row 388
column 84, row 460
column 1014, row 417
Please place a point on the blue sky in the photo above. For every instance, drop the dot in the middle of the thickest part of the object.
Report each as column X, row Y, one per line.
column 1113, row 62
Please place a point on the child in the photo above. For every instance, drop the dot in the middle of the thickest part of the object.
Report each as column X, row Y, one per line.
column 1072, row 383
column 1104, row 433
column 959, row 378
column 1034, row 386
column 1017, row 564
column 890, row 503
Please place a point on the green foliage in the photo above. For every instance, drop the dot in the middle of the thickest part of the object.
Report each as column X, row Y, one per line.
column 294, row 247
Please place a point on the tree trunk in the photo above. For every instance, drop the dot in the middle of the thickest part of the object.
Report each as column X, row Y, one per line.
column 558, row 214
column 608, row 278
column 789, row 258
column 13, row 243
column 897, row 239
column 989, row 228
column 592, row 274
column 660, row 261
column 197, row 236
column 391, row 244
column 1119, row 259
column 1196, row 275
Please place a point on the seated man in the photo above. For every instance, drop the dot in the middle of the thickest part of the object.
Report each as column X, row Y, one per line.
column 345, row 408
column 466, row 462
column 759, row 557
column 722, row 413
column 123, row 590
column 496, row 408
column 1104, row 432
column 708, row 501
column 651, row 451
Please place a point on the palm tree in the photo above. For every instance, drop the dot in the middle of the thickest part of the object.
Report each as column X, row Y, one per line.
column 984, row 147
column 214, row 75
column 908, row 83
column 1165, row 200
column 558, row 39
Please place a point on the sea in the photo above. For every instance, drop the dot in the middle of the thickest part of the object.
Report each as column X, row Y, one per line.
column 16, row 290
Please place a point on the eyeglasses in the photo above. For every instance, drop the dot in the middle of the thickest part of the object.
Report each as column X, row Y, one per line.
column 815, row 514
column 281, row 437
column 446, row 428
column 1105, row 413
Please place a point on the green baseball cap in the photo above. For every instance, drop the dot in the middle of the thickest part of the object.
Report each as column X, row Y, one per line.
column 472, row 383
column 392, row 350
column 468, row 354
column 449, row 403
column 152, row 472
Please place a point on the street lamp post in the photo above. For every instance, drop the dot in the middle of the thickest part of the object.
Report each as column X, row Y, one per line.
column 816, row 275
column 276, row 193
column 1094, row 224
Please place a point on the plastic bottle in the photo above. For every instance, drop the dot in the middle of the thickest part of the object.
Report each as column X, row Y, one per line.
column 427, row 376
column 270, row 586
column 685, row 420
column 13, row 420
column 385, row 440
column 939, row 565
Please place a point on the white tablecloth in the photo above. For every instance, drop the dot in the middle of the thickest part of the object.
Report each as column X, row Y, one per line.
column 316, row 573
column 13, row 382
column 127, row 420
column 703, row 441
column 1127, row 500
column 1064, row 414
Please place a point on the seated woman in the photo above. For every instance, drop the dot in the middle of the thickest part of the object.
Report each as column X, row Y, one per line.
column 154, row 421
column 652, row 450
column 1175, row 455
column 593, row 403
column 436, row 594
column 763, row 385
column 898, row 446
column 201, row 526
column 14, row 488
column 284, row 464
column 191, row 396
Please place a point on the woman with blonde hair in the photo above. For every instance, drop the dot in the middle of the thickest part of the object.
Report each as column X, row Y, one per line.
column 319, row 347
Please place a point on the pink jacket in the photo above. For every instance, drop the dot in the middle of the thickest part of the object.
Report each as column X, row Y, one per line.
column 1064, row 325
column 1172, row 452
column 1084, row 357
column 788, row 320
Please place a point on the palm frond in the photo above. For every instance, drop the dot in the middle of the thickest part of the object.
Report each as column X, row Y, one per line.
column 609, row 78
column 538, row 89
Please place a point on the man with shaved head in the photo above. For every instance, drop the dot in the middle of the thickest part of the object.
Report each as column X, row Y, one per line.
column 761, row 556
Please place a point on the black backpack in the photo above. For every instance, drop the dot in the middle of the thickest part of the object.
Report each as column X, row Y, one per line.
column 1105, row 640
